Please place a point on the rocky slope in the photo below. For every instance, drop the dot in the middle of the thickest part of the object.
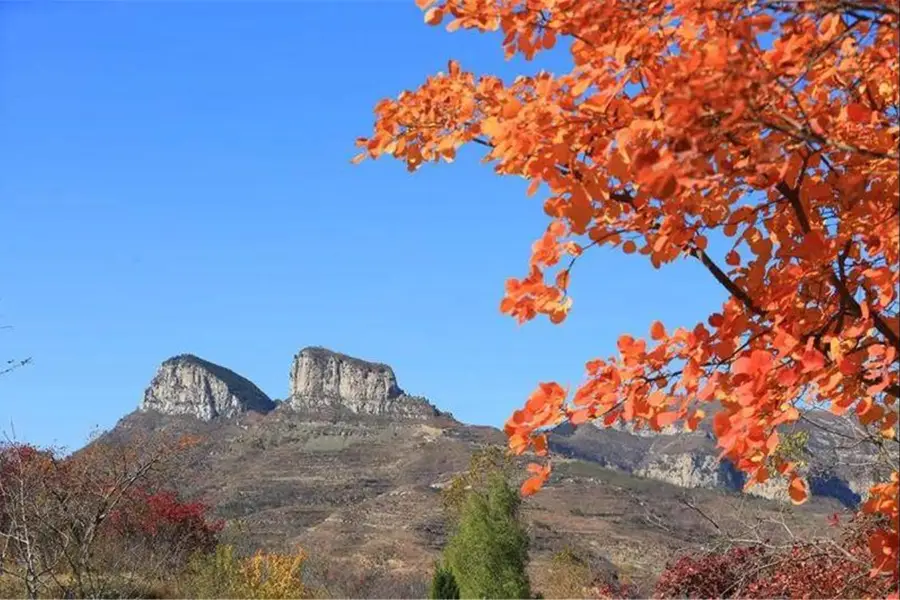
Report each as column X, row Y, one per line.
column 188, row 385
column 837, row 469
column 351, row 468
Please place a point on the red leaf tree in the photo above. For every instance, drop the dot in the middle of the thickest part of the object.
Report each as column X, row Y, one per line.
column 769, row 124
column 81, row 525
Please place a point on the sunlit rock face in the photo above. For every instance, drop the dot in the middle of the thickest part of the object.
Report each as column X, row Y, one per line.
column 321, row 378
column 188, row 385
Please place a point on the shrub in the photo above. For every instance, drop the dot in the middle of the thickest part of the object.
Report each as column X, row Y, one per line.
column 571, row 575
column 815, row 569
column 262, row 575
column 443, row 585
column 166, row 529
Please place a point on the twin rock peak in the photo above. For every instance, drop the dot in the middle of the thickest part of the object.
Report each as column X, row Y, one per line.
column 320, row 379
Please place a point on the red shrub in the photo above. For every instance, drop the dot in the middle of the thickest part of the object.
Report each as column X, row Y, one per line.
column 820, row 569
column 160, row 519
column 713, row 575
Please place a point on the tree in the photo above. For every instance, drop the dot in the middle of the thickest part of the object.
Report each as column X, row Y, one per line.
column 488, row 553
column 86, row 524
column 24, row 507
column 765, row 127
column 443, row 584
column 484, row 464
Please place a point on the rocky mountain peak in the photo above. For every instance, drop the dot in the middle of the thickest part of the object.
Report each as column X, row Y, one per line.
column 321, row 378
column 189, row 385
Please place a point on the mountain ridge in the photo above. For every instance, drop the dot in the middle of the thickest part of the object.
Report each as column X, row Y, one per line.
column 361, row 490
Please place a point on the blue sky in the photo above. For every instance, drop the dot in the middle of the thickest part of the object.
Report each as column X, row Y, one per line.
column 175, row 177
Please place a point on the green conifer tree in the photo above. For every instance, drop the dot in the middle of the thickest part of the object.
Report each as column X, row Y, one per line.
column 488, row 553
column 443, row 584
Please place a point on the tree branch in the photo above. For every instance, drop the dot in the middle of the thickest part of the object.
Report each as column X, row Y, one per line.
column 792, row 194
column 726, row 282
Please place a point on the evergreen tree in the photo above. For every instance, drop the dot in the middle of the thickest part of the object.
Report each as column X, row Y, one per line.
column 488, row 553
column 443, row 585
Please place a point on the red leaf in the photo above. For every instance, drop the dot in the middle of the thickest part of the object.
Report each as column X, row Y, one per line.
column 858, row 113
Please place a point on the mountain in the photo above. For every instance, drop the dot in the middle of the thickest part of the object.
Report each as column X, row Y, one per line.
column 836, row 469
column 351, row 467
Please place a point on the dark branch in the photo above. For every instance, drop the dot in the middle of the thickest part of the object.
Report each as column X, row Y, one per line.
column 727, row 283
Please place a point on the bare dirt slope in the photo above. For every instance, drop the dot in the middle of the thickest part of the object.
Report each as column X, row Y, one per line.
column 361, row 494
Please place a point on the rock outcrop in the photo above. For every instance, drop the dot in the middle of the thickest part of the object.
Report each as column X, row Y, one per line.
column 188, row 385
column 691, row 460
column 323, row 379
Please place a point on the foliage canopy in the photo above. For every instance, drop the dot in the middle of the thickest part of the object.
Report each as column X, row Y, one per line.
column 770, row 124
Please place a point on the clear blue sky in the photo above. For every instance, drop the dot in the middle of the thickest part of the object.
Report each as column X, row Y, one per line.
column 175, row 177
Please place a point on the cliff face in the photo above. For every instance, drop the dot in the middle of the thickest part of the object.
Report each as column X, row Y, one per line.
column 188, row 385
column 690, row 459
column 322, row 379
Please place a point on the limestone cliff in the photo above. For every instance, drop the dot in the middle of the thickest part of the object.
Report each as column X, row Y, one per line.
column 690, row 459
column 188, row 385
column 321, row 378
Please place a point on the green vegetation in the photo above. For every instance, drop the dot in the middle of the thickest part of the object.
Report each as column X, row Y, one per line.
column 443, row 585
column 488, row 552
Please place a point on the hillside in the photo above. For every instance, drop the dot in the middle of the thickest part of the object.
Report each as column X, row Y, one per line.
column 350, row 467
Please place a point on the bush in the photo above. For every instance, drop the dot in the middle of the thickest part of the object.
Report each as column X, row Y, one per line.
column 159, row 528
column 571, row 575
column 443, row 586
column 262, row 575
column 815, row 569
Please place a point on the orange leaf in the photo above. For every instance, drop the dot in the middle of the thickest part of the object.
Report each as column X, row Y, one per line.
column 549, row 39
column 629, row 247
column 536, row 468
column 858, row 113
column 510, row 109
column 798, row 490
column 664, row 419
column 434, row 16
column 812, row 360
column 694, row 419
column 579, row 416
column 657, row 331
column 580, row 210
column 666, row 186
column 618, row 167
column 518, row 443
column 532, row 485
